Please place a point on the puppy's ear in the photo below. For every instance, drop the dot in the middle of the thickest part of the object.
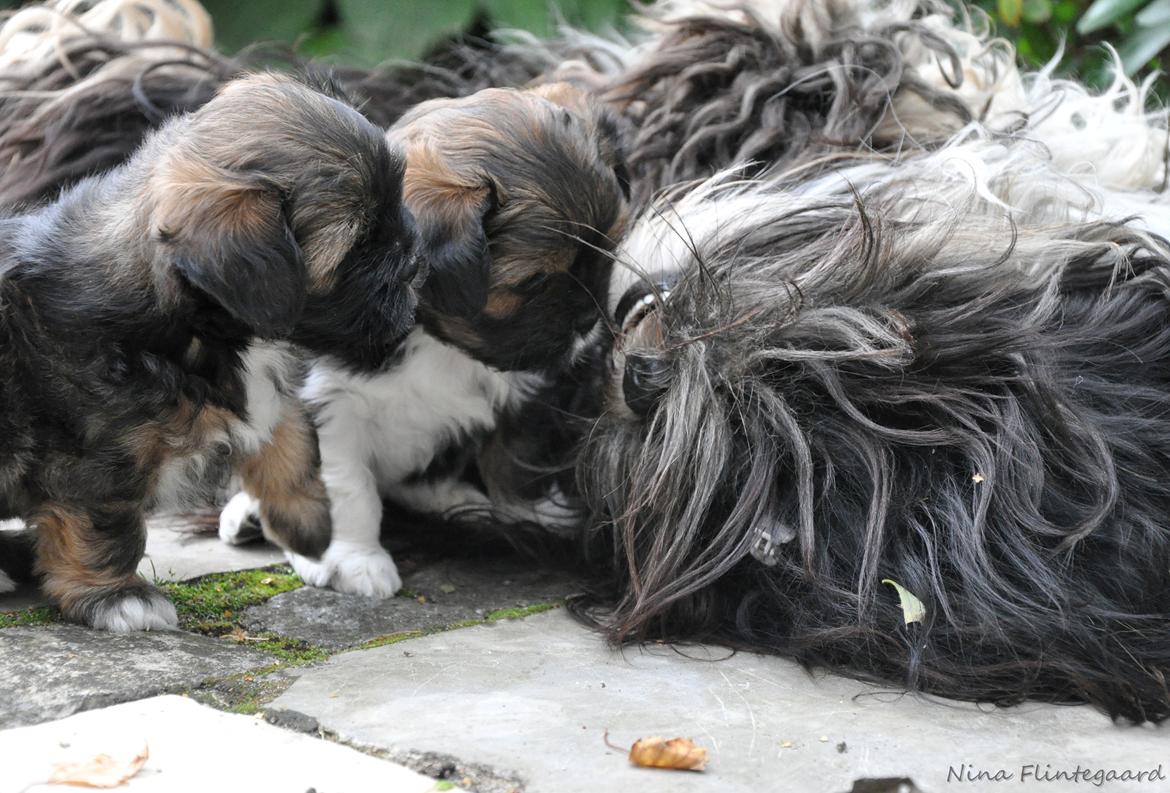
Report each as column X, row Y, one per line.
column 451, row 210
column 227, row 235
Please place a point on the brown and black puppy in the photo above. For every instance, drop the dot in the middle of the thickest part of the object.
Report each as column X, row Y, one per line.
column 146, row 324
column 518, row 196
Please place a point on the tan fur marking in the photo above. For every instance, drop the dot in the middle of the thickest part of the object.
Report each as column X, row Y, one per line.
column 66, row 556
column 283, row 475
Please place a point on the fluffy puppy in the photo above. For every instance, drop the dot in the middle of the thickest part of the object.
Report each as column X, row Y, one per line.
column 146, row 323
column 948, row 371
column 518, row 194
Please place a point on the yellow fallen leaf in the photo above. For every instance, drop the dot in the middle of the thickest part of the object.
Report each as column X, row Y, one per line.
column 677, row 753
column 102, row 771
column 977, row 479
column 912, row 608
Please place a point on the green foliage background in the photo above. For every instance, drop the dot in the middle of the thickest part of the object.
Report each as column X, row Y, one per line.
column 367, row 32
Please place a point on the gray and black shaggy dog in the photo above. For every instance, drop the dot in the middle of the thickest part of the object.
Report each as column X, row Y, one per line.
column 950, row 371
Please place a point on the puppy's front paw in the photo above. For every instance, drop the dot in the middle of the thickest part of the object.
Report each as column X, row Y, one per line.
column 314, row 572
column 239, row 522
column 367, row 571
column 137, row 608
column 353, row 569
column 6, row 583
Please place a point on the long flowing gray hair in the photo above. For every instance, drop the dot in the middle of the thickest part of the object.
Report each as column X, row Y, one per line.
column 950, row 371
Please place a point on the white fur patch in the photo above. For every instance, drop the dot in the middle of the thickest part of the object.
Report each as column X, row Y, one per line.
column 353, row 568
column 268, row 368
column 375, row 431
column 6, row 583
column 239, row 522
column 136, row 612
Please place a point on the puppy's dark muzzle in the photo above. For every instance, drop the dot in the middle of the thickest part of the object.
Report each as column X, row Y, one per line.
column 645, row 381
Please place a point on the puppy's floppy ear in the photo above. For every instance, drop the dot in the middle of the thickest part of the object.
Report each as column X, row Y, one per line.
column 227, row 235
column 451, row 209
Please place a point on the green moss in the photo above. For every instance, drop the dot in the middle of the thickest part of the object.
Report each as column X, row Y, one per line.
column 395, row 638
column 520, row 612
column 499, row 614
column 42, row 615
column 293, row 652
column 211, row 604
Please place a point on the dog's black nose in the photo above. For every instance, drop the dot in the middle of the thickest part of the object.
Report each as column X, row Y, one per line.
column 645, row 381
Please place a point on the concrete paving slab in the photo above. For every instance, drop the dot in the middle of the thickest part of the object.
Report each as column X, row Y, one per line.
column 179, row 547
column 195, row 748
column 535, row 696
column 438, row 594
column 52, row 671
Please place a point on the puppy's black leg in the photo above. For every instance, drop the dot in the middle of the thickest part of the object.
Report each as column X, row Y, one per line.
column 88, row 559
column 284, row 475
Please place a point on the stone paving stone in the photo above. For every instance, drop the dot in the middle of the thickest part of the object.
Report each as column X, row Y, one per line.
column 183, row 547
column 52, row 671
column 534, row 697
column 452, row 591
column 195, row 748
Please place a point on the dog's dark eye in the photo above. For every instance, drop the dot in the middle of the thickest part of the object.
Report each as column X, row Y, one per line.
column 533, row 284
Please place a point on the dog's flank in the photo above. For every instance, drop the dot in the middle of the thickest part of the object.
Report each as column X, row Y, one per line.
column 141, row 325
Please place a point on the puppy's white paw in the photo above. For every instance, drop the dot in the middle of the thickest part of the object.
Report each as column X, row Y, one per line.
column 239, row 522
column 363, row 570
column 6, row 583
column 351, row 568
column 314, row 572
column 138, row 609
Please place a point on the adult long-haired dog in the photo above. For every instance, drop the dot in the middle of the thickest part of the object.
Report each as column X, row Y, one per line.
column 948, row 371
column 519, row 196
column 146, row 322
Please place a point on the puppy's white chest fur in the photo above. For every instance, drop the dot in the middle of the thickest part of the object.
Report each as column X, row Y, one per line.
column 398, row 421
column 376, row 434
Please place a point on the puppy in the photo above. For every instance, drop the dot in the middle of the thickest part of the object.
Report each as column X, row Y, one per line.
column 146, row 324
column 519, row 195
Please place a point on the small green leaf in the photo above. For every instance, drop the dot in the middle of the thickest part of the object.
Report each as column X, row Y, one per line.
column 1105, row 12
column 1156, row 13
column 1037, row 11
column 1142, row 45
column 1010, row 11
column 912, row 608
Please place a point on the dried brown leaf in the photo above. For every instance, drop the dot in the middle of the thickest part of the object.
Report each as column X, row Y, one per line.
column 100, row 771
column 677, row 753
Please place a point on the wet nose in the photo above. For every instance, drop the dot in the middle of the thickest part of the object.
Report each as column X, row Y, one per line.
column 644, row 382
